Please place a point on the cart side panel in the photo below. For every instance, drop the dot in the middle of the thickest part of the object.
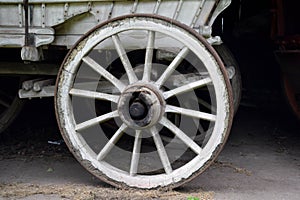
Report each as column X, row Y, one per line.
column 64, row 22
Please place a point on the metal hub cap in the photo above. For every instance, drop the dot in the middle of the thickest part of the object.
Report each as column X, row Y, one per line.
column 141, row 105
column 138, row 110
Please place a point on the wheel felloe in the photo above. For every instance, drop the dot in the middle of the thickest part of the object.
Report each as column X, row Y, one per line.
column 121, row 136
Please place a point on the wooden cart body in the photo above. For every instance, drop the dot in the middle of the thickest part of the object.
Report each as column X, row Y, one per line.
column 64, row 22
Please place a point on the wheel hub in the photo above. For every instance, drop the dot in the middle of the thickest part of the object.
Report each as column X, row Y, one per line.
column 138, row 110
column 141, row 105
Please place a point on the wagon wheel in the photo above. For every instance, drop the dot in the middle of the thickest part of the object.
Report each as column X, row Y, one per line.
column 292, row 95
column 10, row 103
column 236, row 80
column 136, row 104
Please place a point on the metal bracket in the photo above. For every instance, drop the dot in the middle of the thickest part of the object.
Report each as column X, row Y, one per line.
column 216, row 40
column 37, row 88
column 205, row 31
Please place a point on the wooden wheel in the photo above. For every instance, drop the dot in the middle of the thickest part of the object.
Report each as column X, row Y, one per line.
column 292, row 96
column 235, row 81
column 10, row 103
column 177, row 88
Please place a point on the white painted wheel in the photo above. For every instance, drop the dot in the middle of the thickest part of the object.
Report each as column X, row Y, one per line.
column 144, row 102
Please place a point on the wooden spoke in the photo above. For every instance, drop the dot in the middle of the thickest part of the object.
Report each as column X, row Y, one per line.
column 94, row 95
column 190, row 113
column 149, row 56
column 103, row 72
column 136, row 153
column 4, row 103
column 177, row 60
column 112, row 142
column 181, row 135
column 161, row 150
column 123, row 56
column 187, row 87
column 92, row 122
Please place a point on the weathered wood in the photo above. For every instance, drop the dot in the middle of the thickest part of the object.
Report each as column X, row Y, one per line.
column 11, row 68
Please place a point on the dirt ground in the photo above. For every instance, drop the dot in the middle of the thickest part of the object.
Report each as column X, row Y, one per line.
column 261, row 160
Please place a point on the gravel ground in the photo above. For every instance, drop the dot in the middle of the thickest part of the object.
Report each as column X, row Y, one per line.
column 261, row 160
